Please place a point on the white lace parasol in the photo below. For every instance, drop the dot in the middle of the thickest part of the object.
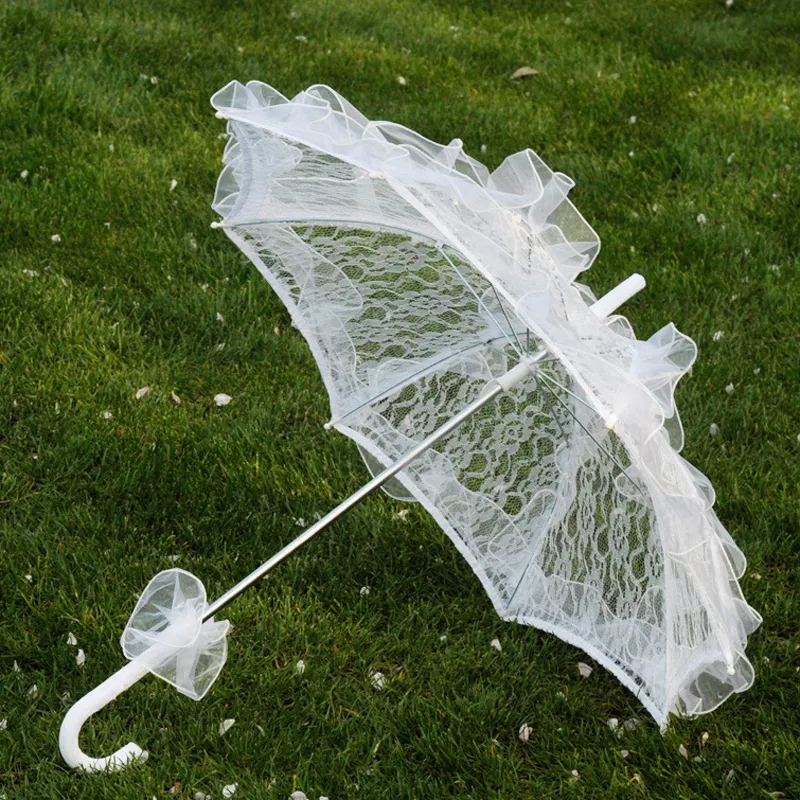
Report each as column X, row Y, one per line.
column 478, row 378
column 417, row 278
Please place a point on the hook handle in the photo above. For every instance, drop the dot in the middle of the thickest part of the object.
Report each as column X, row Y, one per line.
column 165, row 635
column 90, row 704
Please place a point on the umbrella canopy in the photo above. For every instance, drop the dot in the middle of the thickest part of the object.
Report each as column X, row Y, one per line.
column 419, row 279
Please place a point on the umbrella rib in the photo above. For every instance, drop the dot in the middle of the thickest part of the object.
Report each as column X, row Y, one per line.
column 555, row 383
column 510, row 326
column 587, row 432
column 488, row 344
column 613, row 459
column 411, row 378
column 518, row 346
column 567, row 437
column 553, row 413
column 365, row 225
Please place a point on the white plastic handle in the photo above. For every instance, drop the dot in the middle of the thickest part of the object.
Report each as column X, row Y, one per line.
column 610, row 302
column 90, row 704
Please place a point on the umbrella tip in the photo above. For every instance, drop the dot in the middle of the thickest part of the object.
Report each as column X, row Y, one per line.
column 216, row 224
column 731, row 670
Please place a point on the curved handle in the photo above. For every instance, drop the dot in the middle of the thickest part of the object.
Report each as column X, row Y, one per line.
column 612, row 300
column 91, row 703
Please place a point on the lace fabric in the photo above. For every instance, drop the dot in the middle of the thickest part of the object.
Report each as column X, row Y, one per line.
column 417, row 277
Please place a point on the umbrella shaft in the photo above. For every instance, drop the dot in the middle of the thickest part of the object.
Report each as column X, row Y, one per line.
column 347, row 504
column 602, row 308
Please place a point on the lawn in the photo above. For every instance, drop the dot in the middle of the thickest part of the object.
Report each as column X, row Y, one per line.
column 679, row 122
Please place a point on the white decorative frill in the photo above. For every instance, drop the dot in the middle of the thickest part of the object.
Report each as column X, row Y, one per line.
column 167, row 630
column 415, row 273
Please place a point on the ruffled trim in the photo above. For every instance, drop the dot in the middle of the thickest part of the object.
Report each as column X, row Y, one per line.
column 631, row 382
column 533, row 195
column 321, row 118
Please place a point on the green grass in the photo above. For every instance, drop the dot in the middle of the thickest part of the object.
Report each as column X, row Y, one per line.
column 91, row 507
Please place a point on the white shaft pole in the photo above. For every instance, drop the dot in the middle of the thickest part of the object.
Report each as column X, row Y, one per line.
column 354, row 498
column 603, row 307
